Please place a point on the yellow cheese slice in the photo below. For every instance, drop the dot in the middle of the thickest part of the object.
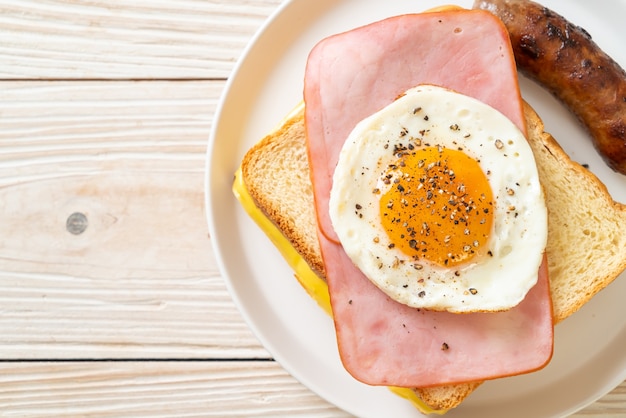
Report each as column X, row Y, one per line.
column 314, row 285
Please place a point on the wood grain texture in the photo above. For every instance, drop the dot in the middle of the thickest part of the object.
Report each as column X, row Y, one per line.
column 156, row 389
column 141, row 280
column 127, row 39
column 78, row 135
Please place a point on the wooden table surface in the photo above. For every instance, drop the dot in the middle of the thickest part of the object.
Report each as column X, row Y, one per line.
column 105, row 113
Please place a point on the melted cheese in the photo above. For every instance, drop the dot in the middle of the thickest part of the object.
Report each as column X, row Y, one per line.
column 311, row 282
column 314, row 285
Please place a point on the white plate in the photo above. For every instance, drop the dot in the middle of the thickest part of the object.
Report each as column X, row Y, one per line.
column 589, row 358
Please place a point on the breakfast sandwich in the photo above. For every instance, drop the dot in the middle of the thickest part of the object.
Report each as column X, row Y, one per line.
column 421, row 203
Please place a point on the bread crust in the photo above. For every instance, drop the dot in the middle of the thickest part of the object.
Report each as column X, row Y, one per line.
column 446, row 396
column 276, row 174
column 586, row 243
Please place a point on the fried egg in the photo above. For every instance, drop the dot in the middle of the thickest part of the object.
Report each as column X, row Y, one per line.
column 436, row 199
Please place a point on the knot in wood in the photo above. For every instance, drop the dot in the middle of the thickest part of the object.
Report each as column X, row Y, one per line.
column 76, row 223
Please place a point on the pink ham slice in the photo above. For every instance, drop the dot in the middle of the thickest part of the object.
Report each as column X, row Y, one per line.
column 350, row 76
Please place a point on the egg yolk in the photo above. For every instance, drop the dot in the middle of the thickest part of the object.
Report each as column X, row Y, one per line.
column 438, row 205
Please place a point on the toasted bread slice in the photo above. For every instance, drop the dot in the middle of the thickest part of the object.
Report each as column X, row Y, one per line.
column 586, row 248
column 586, row 241
column 276, row 174
column 443, row 398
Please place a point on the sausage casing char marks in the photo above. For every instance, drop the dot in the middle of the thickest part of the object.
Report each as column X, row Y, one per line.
column 566, row 61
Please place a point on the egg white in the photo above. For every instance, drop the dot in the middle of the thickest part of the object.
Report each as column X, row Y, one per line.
column 518, row 238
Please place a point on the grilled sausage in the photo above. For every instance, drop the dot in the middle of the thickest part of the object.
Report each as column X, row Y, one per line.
column 566, row 61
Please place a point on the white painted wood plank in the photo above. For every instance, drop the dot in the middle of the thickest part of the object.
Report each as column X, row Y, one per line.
column 140, row 389
column 128, row 39
column 181, row 389
column 141, row 280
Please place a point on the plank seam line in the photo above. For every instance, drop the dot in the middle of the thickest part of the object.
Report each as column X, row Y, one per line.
column 130, row 360
column 111, row 80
